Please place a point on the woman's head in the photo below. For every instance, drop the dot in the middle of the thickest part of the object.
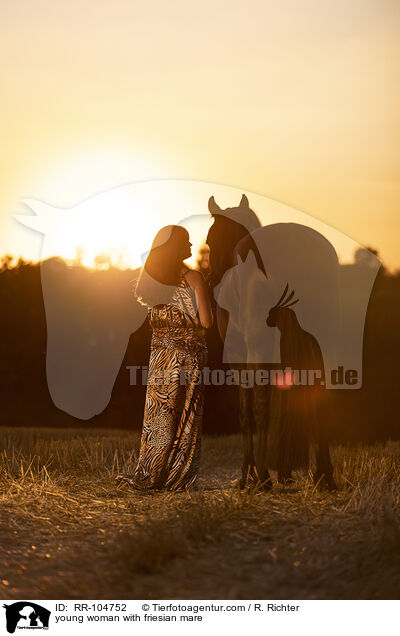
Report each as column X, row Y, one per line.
column 169, row 249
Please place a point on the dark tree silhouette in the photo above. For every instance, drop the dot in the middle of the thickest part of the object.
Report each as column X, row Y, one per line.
column 369, row 414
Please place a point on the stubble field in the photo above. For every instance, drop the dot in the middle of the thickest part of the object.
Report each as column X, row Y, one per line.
column 67, row 531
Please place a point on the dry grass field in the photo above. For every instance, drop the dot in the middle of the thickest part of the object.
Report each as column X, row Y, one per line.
column 67, row 531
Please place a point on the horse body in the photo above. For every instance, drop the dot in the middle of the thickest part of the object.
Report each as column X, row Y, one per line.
column 230, row 238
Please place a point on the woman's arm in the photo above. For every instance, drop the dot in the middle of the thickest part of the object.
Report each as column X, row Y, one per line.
column 197, row 282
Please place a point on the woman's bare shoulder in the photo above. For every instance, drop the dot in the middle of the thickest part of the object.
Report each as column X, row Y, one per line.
column 194, row 277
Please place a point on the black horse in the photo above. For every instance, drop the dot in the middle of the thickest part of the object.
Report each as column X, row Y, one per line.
column 228, row 238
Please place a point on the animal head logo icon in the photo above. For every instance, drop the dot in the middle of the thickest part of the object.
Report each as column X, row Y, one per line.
column 88, row 333
column 26, row 615
column 264, row 263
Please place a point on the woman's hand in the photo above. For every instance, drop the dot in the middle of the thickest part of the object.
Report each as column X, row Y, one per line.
column 197, row 282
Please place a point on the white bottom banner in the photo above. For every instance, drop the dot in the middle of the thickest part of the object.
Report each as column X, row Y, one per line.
column 115, row 617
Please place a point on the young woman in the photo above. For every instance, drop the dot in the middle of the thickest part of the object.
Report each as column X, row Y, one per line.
column 179, row 311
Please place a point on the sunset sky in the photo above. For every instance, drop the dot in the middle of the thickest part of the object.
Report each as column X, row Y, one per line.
column 296, row 100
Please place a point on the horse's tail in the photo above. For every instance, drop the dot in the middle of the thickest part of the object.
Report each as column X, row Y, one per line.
column 291, row 417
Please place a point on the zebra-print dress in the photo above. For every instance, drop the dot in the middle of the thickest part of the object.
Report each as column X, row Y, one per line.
column 169, row 455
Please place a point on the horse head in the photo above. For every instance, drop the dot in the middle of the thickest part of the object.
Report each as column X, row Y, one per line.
column 230, row 226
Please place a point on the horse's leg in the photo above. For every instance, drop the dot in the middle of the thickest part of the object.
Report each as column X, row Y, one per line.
column 284, row 475
column 324, row 471
column 261, row 418
column 278, row 407
column 246, row 424
column 323, row 475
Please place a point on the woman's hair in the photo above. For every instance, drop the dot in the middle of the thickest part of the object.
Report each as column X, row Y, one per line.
column 161, row 272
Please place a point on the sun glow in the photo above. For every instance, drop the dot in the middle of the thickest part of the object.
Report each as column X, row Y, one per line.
column 117, row 226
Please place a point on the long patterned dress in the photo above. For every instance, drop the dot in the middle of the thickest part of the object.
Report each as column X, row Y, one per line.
column 169, row 455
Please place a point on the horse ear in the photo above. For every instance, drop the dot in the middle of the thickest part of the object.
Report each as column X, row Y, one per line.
column 213, row 206
column 244, row 202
